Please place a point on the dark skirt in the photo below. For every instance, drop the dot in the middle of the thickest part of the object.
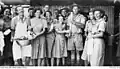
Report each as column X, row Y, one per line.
column 50, row 40
column 7, row 52
column 8, row 46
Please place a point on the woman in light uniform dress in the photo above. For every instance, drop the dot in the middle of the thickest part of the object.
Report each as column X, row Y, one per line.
column 88, row 32
column 96, row 48
column 38, row 25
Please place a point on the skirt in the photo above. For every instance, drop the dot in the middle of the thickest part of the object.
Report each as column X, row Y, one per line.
column 38, row 47
column 97, row 56
column 50, row 40
column 60, row 49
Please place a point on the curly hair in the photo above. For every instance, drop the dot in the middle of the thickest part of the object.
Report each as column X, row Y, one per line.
column 38, row 9
column 48, row 12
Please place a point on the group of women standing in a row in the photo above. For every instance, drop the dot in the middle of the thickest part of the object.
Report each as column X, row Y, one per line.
column 53, row 35
column 57, row 35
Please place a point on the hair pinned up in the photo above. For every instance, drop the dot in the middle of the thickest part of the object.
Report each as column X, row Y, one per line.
column 46, row 12
column 38, row 9
column 31, row 8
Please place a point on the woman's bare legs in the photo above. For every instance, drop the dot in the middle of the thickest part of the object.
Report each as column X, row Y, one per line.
column 19, row 62
column 52, row 61
column 77, row 56
column 72, row 55
column 63, row 61
column 15, row 63
column 34, row 62
column 58, row 61
column 27, row 61
column 47, row 61
column 86, row 62
column 40, row 62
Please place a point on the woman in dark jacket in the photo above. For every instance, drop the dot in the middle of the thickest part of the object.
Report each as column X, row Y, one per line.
column 7, row 53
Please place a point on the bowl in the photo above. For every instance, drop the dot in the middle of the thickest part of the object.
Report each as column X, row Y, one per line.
column 24, row 42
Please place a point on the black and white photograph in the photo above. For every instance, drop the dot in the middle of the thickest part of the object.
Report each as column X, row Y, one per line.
column 50, row 33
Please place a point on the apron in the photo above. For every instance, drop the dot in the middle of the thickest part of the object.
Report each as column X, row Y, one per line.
column 21, row 51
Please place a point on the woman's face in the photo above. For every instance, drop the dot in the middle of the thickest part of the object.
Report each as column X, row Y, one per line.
column 97, row 15
column 7, row 12
column 30, row 12
column 60, row 19
column 14, row 9
column 46, row 8
column 75, row 9
column 48, row 15
column 37, row 13
column 63, row 12
column 56, row 12
column 91, row 15
column 21, row 12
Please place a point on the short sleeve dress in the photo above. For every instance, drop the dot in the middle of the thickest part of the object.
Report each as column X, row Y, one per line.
column 38, row 44
column 98, row 52
column 88, row 42
column 60, row 49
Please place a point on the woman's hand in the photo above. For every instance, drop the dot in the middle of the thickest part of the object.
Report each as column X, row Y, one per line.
column 34, row 36
column 11, row 39
column 67, row 35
